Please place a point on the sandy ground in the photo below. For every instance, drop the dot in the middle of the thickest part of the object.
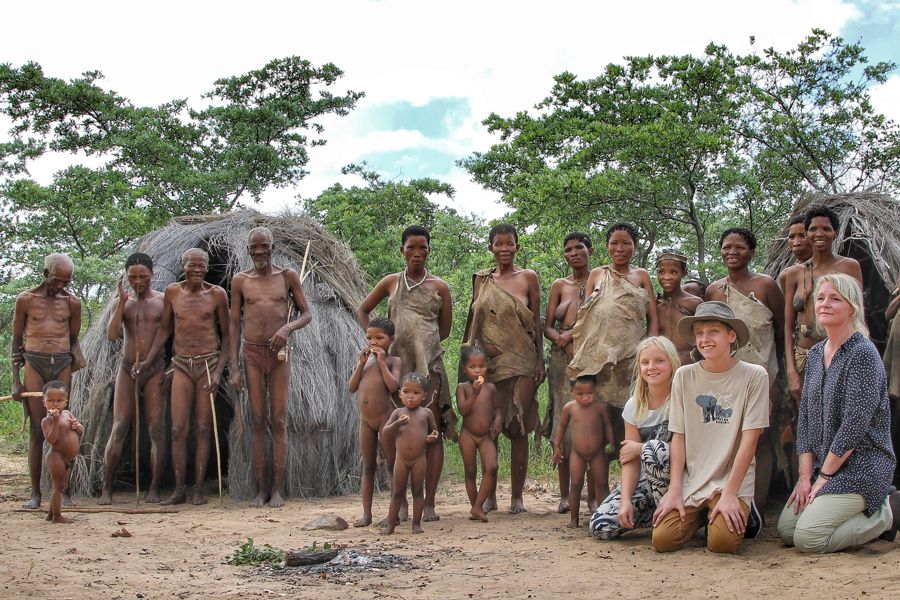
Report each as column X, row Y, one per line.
column 532, row 555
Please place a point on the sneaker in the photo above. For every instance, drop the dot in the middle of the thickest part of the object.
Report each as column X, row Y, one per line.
column 754, row 523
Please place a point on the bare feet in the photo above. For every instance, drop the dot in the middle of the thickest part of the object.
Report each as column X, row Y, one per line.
column 478, row 514
column 152, row 497
column 592, row 505
column 563, row 507
column 416, row 528
column 388, row 528
column 489, row 504
column 516, row 506
column 429, row 515
column 34, row 503
column 105, row 498
column 276, row 501
column 62, row 519
column 199, row 498
column 67, row 501
column 573, row 524
column 178, row 497
column 259, row 501
column 364, row 521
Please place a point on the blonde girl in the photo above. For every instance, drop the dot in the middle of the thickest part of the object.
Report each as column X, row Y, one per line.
column 645, row 451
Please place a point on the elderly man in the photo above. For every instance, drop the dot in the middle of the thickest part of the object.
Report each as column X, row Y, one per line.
column 45, row 330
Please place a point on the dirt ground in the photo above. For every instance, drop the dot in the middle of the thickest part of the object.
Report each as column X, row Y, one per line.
column 532, row 555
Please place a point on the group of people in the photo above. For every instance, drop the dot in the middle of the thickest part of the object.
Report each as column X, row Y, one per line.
column 207, row 332
column 679, row 386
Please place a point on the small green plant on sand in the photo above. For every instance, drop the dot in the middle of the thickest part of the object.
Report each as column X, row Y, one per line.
column 250, row 554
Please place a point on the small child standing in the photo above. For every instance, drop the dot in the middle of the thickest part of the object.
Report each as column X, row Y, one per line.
column 482, row 423
column 674, row 303
column 412, row 428
column 376, row 377
column 61, row 430
column 592, row 435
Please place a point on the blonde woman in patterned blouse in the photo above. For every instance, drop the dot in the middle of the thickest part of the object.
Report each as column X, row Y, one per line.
column 843, row 496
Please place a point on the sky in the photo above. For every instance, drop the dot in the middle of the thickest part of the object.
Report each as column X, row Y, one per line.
column 431, row 71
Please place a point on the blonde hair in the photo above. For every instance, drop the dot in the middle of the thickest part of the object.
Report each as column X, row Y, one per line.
column 848, row 288
column 640, row 391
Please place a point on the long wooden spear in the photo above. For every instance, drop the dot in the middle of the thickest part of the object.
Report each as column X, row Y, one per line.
column 137, row 407
column 215, row 424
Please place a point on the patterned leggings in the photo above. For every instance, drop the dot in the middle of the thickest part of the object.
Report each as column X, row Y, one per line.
column 651, row 486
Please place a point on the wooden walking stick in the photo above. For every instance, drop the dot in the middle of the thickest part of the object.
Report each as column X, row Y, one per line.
column 137, row 406
column 24, row 395
column 215, row 428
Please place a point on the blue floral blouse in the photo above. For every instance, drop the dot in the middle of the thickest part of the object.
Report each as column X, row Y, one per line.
column 845, row 407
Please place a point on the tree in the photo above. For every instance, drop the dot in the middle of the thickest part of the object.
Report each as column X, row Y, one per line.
column 685, row 146
column 149, row 163
column 809, row 118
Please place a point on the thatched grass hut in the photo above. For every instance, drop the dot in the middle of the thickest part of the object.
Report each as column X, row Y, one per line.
column 322, row 416
column 870, row 233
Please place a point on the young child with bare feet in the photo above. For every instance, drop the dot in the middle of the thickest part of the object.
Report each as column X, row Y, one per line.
column 376, row 377
column 591, row 434
column 412, row 428
column 482, row 423
column 61, row 430
column 674, row 303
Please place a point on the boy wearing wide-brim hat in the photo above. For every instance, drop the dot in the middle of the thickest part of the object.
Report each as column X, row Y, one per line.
column 717, row 412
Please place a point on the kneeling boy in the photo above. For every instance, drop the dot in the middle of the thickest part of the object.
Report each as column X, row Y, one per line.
column 718, row 409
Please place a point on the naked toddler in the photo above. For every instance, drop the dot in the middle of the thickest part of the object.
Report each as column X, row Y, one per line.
column 591, row 433
column 412, row 428
column 61, row 430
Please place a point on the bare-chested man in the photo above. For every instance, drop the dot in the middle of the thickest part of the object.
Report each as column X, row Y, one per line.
column 504, row 319
column 673, row 304
column 193, row 310
column 566, row 295
column 420, row 307
column 800, row 330
column 757, row 300
column 141, row 316
column 46, row 324
column 265, row 297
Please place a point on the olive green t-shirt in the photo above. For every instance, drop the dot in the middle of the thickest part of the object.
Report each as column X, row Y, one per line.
column 712, row 410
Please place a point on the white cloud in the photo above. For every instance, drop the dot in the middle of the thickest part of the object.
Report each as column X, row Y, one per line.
column 500, row 56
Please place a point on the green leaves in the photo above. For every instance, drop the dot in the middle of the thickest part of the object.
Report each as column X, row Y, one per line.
column 685, row 146
column 146, row 164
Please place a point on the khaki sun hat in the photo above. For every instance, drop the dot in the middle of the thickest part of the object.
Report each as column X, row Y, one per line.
column 714, row 311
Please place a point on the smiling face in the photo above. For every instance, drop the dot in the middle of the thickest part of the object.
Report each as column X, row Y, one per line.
column 577, row 254
column 412, row 395
column 195, row 267
column 376, row 337
column 735, row 250
column 798, row 242
column 476, row 367
column 820, row 233
column 504, row 248
column 259, row 246
column 584, row 392
column 669, row 274
column 620, row 247
column 714, row 339
column 56, row 399
column 654, row 366
column 832, row 309
column 415, row 250
column 139, row 277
